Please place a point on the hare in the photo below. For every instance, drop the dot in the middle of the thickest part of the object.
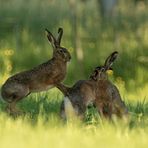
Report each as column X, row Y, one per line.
column 97, row 90
column 108, row 100
column 40, row 78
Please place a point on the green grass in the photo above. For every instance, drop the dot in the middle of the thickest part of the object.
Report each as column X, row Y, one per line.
column 69, row 136
column 41, row 126
column 19, row 134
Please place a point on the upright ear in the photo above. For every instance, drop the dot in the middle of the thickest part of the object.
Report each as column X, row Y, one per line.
column 51, row 38
column 60, row 34
column 109, row 61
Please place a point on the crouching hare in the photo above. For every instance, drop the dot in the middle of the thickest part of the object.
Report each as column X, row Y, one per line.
column 108, row 100
column 97, row 90
column 40, row 78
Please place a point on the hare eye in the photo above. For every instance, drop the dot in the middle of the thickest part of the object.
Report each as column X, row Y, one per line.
column 61, row 51
column 96, row 73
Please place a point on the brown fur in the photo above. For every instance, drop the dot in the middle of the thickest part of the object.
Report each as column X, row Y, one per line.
column 81, row 94
column 97, row 90
column 40, row 78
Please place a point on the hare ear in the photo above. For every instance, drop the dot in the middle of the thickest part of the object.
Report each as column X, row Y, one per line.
column 60, row 34
column 109, row 61
column 51, row 38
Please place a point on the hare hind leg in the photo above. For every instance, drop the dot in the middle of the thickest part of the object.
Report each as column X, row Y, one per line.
column 16, row 97
column 11, row 108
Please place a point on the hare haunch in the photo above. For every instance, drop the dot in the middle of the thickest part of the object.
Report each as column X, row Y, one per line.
column 97, row 90
column 40, row 78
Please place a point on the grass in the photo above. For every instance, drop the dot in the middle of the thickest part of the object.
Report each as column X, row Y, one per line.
column 70, row 136
column 41, row 126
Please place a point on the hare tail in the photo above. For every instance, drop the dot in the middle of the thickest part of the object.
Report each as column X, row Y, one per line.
column 69, row 109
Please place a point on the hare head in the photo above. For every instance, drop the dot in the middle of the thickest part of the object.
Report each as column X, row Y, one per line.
column 100, row 71
column 58, row 51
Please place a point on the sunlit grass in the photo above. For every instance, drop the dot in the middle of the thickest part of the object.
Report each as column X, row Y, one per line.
column 41, row 125
column 19, row 133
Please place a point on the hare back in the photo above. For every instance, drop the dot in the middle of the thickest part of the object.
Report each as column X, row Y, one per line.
column 34, row 84
column 43, row 77
column 48, row 71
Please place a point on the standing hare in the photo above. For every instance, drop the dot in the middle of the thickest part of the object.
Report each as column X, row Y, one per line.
column 97, row 90
column 40, row 78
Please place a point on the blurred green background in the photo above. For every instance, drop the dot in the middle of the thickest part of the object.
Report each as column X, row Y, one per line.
column 92, row 30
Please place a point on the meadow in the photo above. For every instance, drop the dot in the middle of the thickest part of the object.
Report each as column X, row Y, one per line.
column 23, row 45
